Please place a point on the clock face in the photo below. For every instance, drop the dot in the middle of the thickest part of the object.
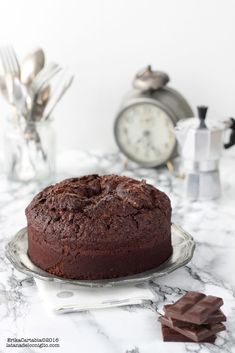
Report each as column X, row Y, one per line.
column 144, row 133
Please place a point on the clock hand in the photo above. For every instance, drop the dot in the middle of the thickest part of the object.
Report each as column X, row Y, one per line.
column 145, row 136
column 146, row 133
column 156, row 150
column 150, row 144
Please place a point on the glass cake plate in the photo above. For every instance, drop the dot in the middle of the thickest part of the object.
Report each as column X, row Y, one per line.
column 183, row 249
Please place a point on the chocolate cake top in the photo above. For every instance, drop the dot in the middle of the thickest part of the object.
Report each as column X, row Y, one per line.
column 94, row 209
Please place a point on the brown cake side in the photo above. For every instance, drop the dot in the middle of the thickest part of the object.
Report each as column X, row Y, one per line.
column 97, row 227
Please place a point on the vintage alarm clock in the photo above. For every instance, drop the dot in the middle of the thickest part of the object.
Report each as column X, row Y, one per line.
column 144, row 126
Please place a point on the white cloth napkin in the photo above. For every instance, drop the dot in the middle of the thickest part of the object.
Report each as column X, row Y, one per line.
column 62, row 298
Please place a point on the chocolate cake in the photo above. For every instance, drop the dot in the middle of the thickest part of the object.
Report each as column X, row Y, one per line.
column 97, row 227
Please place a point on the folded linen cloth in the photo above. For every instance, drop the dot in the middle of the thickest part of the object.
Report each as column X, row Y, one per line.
column 65, row 297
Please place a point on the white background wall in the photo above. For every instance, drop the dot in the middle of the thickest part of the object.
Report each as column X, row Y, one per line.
column 105, row 42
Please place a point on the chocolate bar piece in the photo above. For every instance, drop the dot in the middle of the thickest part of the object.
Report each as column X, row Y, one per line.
column 170, row 335
column 214, row 318
column 194, row 307
column 194, row 332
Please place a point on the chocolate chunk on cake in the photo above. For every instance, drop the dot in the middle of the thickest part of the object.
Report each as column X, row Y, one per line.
column 98, row 227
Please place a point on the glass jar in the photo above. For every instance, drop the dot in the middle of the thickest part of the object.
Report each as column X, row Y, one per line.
column 29, row 150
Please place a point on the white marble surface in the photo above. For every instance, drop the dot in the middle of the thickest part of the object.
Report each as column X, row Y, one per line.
column 128, row 329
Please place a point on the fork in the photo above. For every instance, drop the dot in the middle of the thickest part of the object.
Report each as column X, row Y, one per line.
column 43, row 78
column 41, row 81
column 63, row 84
column 15, row 93
column 11, row 70
column 47, row 73
column 9, row 60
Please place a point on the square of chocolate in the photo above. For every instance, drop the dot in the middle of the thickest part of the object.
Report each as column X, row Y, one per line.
column 170, row 335
column 214, row 318
column 197, row 333
column 194, row 307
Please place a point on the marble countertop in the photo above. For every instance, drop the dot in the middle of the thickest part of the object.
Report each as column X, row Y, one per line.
column 130, row 329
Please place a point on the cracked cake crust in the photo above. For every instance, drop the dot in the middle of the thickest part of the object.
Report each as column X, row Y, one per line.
column 97, row 227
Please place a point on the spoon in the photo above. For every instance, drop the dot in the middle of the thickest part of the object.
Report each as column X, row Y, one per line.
column 3, row 87
column 31, row 65
column 41, row 102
